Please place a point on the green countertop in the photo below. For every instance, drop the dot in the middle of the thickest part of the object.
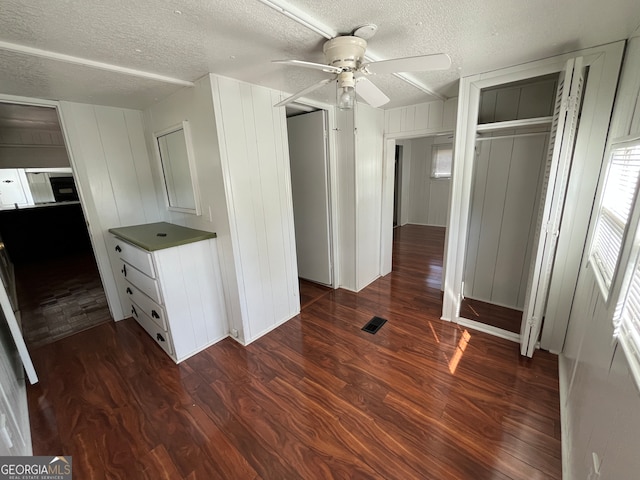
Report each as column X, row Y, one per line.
column 156, row 236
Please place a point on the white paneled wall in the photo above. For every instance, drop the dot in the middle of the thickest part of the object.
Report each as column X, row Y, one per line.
column 426, row 198
column 113, row 174
column 255, row 167
column 369, row 124
column 346, row 199
column 600, row 402
column 402, row 123
column 504, row 206
column 196, row 106
column 416, row 119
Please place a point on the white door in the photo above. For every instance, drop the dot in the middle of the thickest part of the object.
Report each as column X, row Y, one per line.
column 562, row 141
column 310, row 187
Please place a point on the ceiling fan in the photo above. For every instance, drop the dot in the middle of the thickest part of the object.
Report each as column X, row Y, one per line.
column 345, row 61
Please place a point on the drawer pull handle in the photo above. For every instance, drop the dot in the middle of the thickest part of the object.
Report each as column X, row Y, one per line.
column 118, row 249
column 129, row 291
column 160, row 338
column 133, row 310
column 124, row 270
column 154, row 314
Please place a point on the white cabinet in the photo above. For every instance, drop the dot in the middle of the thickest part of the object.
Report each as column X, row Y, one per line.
column 169, row 281
column 14, row 188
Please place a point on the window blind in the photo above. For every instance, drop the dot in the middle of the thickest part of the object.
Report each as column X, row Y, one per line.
column 441, row 161
column 627, row 319
column 618, row 198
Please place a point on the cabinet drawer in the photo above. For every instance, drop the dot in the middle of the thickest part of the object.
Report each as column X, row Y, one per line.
column 141, row 259
column 160, row 336
column 147, row 285
column 148, row 306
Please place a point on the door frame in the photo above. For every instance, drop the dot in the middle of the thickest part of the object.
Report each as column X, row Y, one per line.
column 388, row 188
column 86, row 203
column 332, row 184
column 604, row 62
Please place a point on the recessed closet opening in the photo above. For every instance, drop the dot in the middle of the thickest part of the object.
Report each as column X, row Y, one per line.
column 48, row 264
column 309, row 161
column 509, row 183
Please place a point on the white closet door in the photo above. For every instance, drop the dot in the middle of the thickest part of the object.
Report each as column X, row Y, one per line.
column 310, row 188
column 563, row 132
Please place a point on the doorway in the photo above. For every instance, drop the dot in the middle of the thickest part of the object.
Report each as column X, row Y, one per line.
column 552, row 272
column 307, row 130
column 422, row 185
column 55, row 284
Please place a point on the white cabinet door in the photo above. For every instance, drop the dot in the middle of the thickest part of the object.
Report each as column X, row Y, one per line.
column 14, row 188
column 310, row 190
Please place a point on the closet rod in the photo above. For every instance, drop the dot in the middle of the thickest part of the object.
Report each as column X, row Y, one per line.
column 514, row 135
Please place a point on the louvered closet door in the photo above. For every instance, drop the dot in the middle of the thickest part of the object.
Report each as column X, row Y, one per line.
column 561, row 144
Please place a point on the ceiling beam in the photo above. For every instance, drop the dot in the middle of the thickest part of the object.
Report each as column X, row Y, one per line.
column 85, row 62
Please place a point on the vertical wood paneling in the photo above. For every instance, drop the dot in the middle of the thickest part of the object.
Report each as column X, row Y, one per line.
column 449, row 114
column 142, row 160
column 347, row 199
column 600, row 400
column 518, row 219
column 196, row 105
column 111, row 167
column 428, row 197
column 368, row 157
column 436, row 110
column 503, row 211
column 260, row 212
column 493, row 209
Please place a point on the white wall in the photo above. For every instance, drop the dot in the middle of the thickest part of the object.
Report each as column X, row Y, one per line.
column 359, row 195
column 600, row 403
column 113, row 174
column 195, row 104
column 369, row 124
column 254, row 154
column 427, row 198
column 504, row 209
column 404, row 123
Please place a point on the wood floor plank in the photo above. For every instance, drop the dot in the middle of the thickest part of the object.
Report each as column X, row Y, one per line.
column 315, row 398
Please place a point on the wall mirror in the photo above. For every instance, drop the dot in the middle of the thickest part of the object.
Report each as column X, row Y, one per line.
column 177, row 164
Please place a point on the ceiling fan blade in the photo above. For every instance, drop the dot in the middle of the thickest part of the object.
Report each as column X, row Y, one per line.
column 370, row 93
column 302, row 93
column 421, row 63
column 315, row 66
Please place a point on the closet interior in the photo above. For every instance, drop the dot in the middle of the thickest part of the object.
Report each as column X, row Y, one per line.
column 512, row 157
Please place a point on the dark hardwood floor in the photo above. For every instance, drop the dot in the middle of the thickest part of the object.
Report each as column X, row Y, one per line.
column 316, row 398
column 59, row 297
column 508, row 319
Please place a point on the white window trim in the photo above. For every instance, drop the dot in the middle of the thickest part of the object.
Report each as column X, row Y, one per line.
column 608, row 289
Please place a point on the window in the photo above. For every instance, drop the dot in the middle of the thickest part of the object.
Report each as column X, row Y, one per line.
column 441, row 158
column 620, row 187
column 627, row 318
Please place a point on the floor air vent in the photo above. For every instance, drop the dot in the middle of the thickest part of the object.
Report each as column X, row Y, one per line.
column 374, row 324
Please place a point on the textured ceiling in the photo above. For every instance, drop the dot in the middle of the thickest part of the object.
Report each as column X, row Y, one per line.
column 185, row 39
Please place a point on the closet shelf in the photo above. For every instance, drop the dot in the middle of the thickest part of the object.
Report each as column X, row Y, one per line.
column 525, row 122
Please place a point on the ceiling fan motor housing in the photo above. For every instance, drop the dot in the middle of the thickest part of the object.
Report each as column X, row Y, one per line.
column 345, row 52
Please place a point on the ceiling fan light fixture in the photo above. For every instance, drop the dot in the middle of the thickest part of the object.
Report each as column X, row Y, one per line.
column 346, row 91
